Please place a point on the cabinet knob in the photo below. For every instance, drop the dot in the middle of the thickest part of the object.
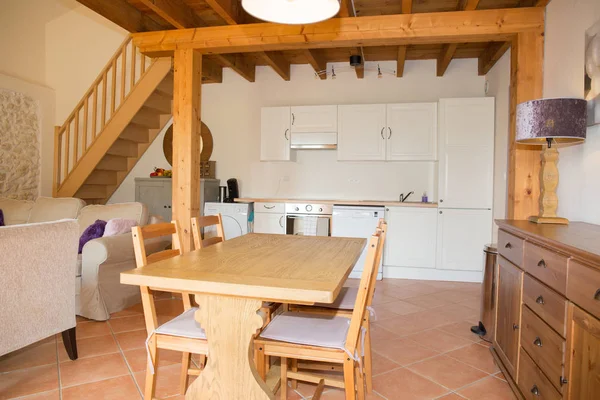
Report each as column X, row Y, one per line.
column 542, row 263
column 515, row 327
column 538, row 342
column 508, row 245
column 441, row 212
column 441, row 200
column 285, row 134
column 597, row 295
column 540, row 300
column 563, row 381
column 535, row 390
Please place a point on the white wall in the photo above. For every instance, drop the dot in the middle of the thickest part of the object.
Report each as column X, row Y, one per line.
column 232, row 112
column 566, row 23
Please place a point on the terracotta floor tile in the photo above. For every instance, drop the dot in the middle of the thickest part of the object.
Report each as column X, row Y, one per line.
column 500, row 376
column 90, row 347
column 439, row 340
column 378, row 333
column 400, row 307
column 127, row 324
column 402, row 292
column 136, row 309
column 461, row 329
column 406, row 385
column 458, row 312
column 132, row 340
column 28, row 381
column 380, row 298
column 91, row 329
column 426, row 301
column 447, row 372
column 488, row 389
column 473, row 302
column 291, row 394
column 404, row 324
column 382, row 314
column 167, row 380
column 138, row 358
column 403, row 351
column 121, row 388
column 451, row 396
column 339, row 394
column 382, row 364
column 51, row 395
column 453, row 295
column 34, row 355
column 476, row 356
column 92, row 369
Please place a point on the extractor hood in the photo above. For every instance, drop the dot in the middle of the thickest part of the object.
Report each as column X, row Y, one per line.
column 314, row 140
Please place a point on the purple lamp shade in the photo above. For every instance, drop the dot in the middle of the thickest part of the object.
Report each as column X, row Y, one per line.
column 562, row 120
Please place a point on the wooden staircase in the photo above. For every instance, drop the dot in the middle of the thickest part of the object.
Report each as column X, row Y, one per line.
column 113, row 125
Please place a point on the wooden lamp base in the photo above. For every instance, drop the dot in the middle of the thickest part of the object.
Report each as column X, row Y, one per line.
column 549, row 183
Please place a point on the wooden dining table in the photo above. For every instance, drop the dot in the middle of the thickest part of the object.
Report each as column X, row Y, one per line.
column 231, row 280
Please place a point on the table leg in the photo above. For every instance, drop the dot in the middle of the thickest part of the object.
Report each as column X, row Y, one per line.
column 230, row 373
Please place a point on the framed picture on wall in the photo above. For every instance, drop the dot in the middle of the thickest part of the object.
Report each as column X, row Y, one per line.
column 592, row 73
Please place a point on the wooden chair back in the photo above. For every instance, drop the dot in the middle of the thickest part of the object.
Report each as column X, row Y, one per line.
column 203, row 222
column 382, row 227
column 141, row 233
column 364, row 289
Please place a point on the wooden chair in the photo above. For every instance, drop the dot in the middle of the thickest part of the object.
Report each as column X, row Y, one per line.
column 181, row 333
column 344, row 306
column 203, row 222
column 322, row 338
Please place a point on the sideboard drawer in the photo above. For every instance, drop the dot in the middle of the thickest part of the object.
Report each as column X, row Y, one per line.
column 584, row 287
column 545, row 302
column 533, row 383
column 510, row 247
column 544, row 345
column 278, row 208
column 546, row 265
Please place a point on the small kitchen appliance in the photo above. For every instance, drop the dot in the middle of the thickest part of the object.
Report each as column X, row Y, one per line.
column 234, row 193
column 222, row 194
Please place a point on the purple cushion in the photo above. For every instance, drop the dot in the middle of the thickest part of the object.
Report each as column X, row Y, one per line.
column 94, row 231
column 1, row 218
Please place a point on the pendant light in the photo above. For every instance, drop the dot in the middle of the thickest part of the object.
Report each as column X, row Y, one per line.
column 292, row 12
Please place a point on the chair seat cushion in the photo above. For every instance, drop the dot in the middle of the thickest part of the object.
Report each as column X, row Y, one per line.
column 184, row 325
column 308, row 329
column 345, row 300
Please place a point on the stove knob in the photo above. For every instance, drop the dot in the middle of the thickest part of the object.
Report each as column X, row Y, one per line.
column 320, row 210
column 297, row 209
column 309, row 208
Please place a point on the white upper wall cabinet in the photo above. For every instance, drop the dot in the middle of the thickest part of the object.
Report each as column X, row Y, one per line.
column 361, row 133
column 466, row 148
column 412, row 132
column 275, row 133
column 310, row 119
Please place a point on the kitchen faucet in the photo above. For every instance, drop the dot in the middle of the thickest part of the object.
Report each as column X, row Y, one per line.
column 403, row 197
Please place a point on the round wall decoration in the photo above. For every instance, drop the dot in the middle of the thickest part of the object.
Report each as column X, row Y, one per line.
column 206, row 144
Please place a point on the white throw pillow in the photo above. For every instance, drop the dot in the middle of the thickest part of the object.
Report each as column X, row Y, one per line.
column 119, row 226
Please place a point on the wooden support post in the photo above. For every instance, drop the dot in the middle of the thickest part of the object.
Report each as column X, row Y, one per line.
column 526, row 78
column 186, row 140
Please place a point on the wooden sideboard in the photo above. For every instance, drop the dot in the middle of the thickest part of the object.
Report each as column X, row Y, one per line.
column 547, row 338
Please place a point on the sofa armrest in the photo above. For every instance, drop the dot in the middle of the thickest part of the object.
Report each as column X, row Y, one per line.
column 116, row 249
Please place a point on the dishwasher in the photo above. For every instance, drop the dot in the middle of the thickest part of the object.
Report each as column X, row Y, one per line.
column 357, row 222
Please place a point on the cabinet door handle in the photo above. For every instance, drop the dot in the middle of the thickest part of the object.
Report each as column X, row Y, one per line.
column 508, row 245
column 285, row 134
column 390, row 134
column 268, row 208
column 515, row 327
column 535, row 390
column 281, row 221
column 382, row 129
column 293, row 118
column 542, row 263
column 597, row 295
column 563, row 381
column 537, row 341
column 540, row 300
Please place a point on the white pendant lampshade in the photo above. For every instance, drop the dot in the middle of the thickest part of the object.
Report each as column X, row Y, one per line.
column 292, row 12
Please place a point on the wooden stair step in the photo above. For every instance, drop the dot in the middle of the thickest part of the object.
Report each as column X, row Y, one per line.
column 135, row 133
column 165, row 87
column 147, row 117
column 159, row 103
column 100, row 177
column 112, row 163
column 91, row 192
column 123, row 148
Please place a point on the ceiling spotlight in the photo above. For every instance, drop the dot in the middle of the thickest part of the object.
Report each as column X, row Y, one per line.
column 333, row 72
column 292, row 12
column 355, row 60
column 379, row 74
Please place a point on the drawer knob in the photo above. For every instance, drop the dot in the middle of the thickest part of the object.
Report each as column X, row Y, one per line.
column 542, row 263
column 563, row 381
column 597, row 295
column 515, row 327
column 538, row 342
column 508, row 245
column 540, row 300
column 535, row 390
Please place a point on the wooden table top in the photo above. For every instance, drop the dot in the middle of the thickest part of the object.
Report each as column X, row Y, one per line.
column 282, row 268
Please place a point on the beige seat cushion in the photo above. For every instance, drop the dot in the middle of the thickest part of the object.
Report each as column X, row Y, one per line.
column 52, row 209
column 16, row 212
column 184, row 325
column 345, row 300
column 89, row 214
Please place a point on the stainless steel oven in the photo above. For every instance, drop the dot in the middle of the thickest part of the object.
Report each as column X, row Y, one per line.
column 308, row 219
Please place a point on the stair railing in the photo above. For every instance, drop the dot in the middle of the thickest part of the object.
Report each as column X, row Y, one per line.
column 98, row 105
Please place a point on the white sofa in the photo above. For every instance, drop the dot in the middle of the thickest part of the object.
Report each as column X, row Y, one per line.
column 98, row 290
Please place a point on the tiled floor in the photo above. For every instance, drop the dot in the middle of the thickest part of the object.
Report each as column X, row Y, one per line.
column 422, row 345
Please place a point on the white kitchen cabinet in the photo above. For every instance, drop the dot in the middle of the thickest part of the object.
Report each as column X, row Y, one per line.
column 461, row 237
column 361, row 133
column 275, row 125
column 411, row 132
column 466, row 152
column 273, row 223
column 411, row 237
column 310, row 119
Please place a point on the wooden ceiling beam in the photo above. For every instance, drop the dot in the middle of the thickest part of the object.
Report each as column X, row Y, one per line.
column 542, row 3
column 469, row 5
column 406, row 6
column 229, row 10
column 278, row 62
column 240, row 64
column 123, row 14
column 491, row 55
column 175, row 12
column 400, row 61
column 211, row 71
column 345, row 9
column 360, row 71
column 402, row 29
column 317, row 61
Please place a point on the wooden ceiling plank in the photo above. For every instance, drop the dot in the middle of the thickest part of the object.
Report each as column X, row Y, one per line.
column 278, row 63
column 471, row 5
column 442, row 27
column 226, row 9
column 542, row 3
column 445, row 57
column 491, row 55
column 175, row 12
column 123, row 14
column 407, row 6
column 240, row 64
column 345, row 9
column 400, row 61
column 317, row 61
column 211, row 71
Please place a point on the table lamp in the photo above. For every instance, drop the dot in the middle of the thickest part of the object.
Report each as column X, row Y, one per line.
column 547, row 122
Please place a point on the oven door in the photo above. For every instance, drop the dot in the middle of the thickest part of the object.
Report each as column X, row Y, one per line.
column 308, row 225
